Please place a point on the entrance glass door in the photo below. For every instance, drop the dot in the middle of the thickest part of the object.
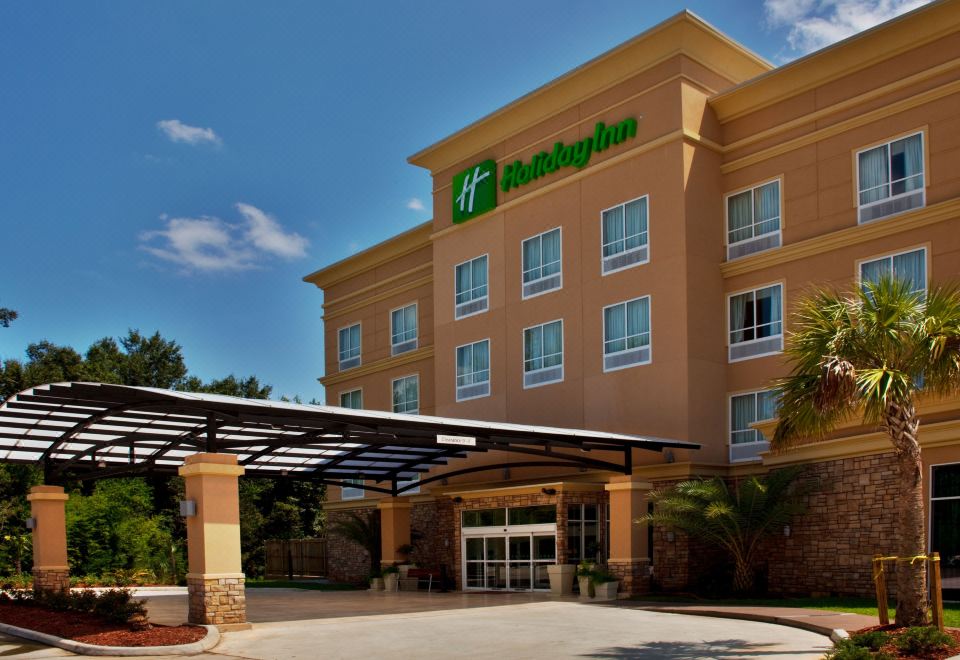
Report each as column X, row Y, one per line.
column 516, row 562
column 945, row 525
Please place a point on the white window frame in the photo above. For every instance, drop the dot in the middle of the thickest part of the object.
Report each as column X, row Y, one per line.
column 533, row 371
column 456, row 366
column 347, row 392
column 523, row 283
column 931, row 499
column 605, row 341
column 416, row 411
column 416, row 331
column 359, row 355
column 353, row 493
column 726, row 217
column 783, row 308
column 485, row 298
column 730, row 430
column 625, row 251
column 922, row 190
column 890, row 255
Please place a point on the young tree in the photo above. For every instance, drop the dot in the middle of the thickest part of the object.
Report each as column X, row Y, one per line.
column 873, row 352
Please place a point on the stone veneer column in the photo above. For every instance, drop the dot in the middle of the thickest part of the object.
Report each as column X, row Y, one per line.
column 394, row 528
column 629, row 554
column 50, row 569
column 215, row 583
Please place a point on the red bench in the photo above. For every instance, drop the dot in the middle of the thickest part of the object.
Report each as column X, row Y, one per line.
column 427, row 574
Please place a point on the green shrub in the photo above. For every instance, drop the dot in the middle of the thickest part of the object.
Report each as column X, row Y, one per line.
column 602, row 576
column 585, row 568
column 845, row 649
column 872, row 640
column 114, row 605
column 923, row 640
column 389, row 569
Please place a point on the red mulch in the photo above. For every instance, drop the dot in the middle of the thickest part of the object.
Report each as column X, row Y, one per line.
column 895, row 631
column 90, row 629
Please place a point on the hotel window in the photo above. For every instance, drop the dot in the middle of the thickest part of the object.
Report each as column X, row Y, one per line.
column 624, row 235
column 541, row 264
column 406, row 395
column 583, row 533
column 471, row 287
column 349, row 345
column 746, row 443
column 473, row 370
column 354, row 492
column 626, row 334
column 403, row 329
column 756, row 323
column 413, row 483
column 890, row 178
column 753, row 220
column 910, row 266
column 543, row 354
column 352, row 399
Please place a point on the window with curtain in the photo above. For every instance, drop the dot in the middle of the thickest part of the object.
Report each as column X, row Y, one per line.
column 471, row 286
column 626, row 326
column 753, row 213
column 910, row 266
column 541, row 256
column 890, row 170
column 745, row 409
column 756, row 314
column 353, row 492
column 543, row 346
column 403, row 326
column 473, row 363
column 349, row 345
column 406, row 395
column 624, row 227
column 352, row 399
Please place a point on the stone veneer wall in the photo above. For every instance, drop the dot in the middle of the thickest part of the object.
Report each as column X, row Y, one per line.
column 51, row 580
column 347, row 561
column 216, row 601
column 432, row 534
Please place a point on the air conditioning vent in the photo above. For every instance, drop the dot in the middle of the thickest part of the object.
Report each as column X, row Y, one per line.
column 542, row 285
column 626, row 358
column 756, row 347
column 470, row 307
column 473, row 391
column 749, row 451
column 913, row 200
column 543, row 376
column 624, row 259
column 758, row 244
column 349, row 363
column 404, row 347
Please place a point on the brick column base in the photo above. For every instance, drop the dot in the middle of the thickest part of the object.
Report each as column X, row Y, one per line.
column 46, row 579
column 216, row 600
column 634, row 575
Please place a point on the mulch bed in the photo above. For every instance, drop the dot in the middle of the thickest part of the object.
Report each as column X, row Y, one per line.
column 87, row 628
column 895, row 631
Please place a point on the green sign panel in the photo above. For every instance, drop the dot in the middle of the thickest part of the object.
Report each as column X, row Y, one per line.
column 475, row 191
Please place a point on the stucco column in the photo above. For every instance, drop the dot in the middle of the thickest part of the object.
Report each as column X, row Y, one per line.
column 629, row 554
column 47, row 508
column 215, row 583
column 394, row 528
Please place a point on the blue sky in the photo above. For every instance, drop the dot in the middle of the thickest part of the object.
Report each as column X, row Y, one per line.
column 180, row 166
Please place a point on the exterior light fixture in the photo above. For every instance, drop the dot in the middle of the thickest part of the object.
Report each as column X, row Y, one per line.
column 786, row 530
column 670, row 537
column 188, row 508
column 457, row 499
column 31, row 523
column 548, row 491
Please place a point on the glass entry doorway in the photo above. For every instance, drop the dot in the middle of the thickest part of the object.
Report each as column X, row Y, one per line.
column 516, row 562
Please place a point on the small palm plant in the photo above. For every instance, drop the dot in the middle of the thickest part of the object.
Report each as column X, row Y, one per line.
column 872, row 352
column 365, row 532
column 734, row 517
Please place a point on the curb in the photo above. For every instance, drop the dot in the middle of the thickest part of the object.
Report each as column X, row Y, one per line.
column 826, row 631
column 81, row 648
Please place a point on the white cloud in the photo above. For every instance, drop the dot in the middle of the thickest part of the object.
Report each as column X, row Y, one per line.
column 209, row 244
column 815, row 24
column 416, row 204
column 177, row 131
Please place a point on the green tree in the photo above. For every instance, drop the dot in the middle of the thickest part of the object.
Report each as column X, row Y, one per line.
column 151, row 361
column 248, row 388
column 872, row 352
column 7, row 316
column 734, row 517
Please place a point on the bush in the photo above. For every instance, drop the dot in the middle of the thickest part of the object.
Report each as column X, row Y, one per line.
column 585, row 568
column 389, row 569
column 602, row 576
column 923, row 640
column 846, row 649
column 113, row 605
column 872, row 640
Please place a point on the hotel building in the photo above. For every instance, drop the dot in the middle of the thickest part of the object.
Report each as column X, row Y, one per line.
column 619, row 250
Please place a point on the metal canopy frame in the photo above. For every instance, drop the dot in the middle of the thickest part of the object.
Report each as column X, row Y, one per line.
column 93, row 430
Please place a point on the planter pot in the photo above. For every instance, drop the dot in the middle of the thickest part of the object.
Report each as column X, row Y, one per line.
column 376, row 584
column 586, row 587
column 404, row 568
column 561, row 579
column 391, row 582
column 606, row 591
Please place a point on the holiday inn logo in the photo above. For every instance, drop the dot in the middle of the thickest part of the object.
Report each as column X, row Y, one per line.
column 474, row 189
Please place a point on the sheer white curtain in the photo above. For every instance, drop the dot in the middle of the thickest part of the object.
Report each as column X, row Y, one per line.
column 533, row 349
column 638, row 323
column 614, row 328
column 739, row 217
column 613, row 231
column 636, row 224
column 743, row 412
column 532, row 260
column 738, row 317
column 464, row 280
column 479, row 274
column 874, row 175
column 551, row 252
column 481, row 362
column 767, row 208
column 912, row 267
column 552, row 344
column 769, row 313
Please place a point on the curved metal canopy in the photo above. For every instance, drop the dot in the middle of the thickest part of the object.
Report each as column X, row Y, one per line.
column 97, row 430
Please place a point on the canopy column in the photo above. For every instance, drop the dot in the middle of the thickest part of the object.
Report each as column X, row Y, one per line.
column 47, row 507
column 629, row 551
column 394, row 528
column 215, row 583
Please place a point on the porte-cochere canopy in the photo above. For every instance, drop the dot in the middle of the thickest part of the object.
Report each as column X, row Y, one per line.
column 84, row 430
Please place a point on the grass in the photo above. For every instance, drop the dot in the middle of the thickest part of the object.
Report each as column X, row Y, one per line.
column 299, row 584
column 951, row 611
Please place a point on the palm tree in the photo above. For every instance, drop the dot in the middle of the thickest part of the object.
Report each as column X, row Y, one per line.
column 365, row 532
column 735, row 518
column 873, row 352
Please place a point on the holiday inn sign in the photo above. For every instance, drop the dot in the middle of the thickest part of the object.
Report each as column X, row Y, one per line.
column 475, row 189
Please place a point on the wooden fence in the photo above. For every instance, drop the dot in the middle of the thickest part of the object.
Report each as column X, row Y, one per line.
column 296, row 558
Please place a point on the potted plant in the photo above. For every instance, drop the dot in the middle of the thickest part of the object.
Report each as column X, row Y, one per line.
column 605, row 584
column 376, row 581
column 405, row 551
column 584, row 575
column 391, row 578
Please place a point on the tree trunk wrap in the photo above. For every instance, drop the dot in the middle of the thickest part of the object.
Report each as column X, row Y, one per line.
column 902, row 424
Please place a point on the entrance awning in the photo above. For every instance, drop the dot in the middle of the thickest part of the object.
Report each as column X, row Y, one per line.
column 92, row 430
